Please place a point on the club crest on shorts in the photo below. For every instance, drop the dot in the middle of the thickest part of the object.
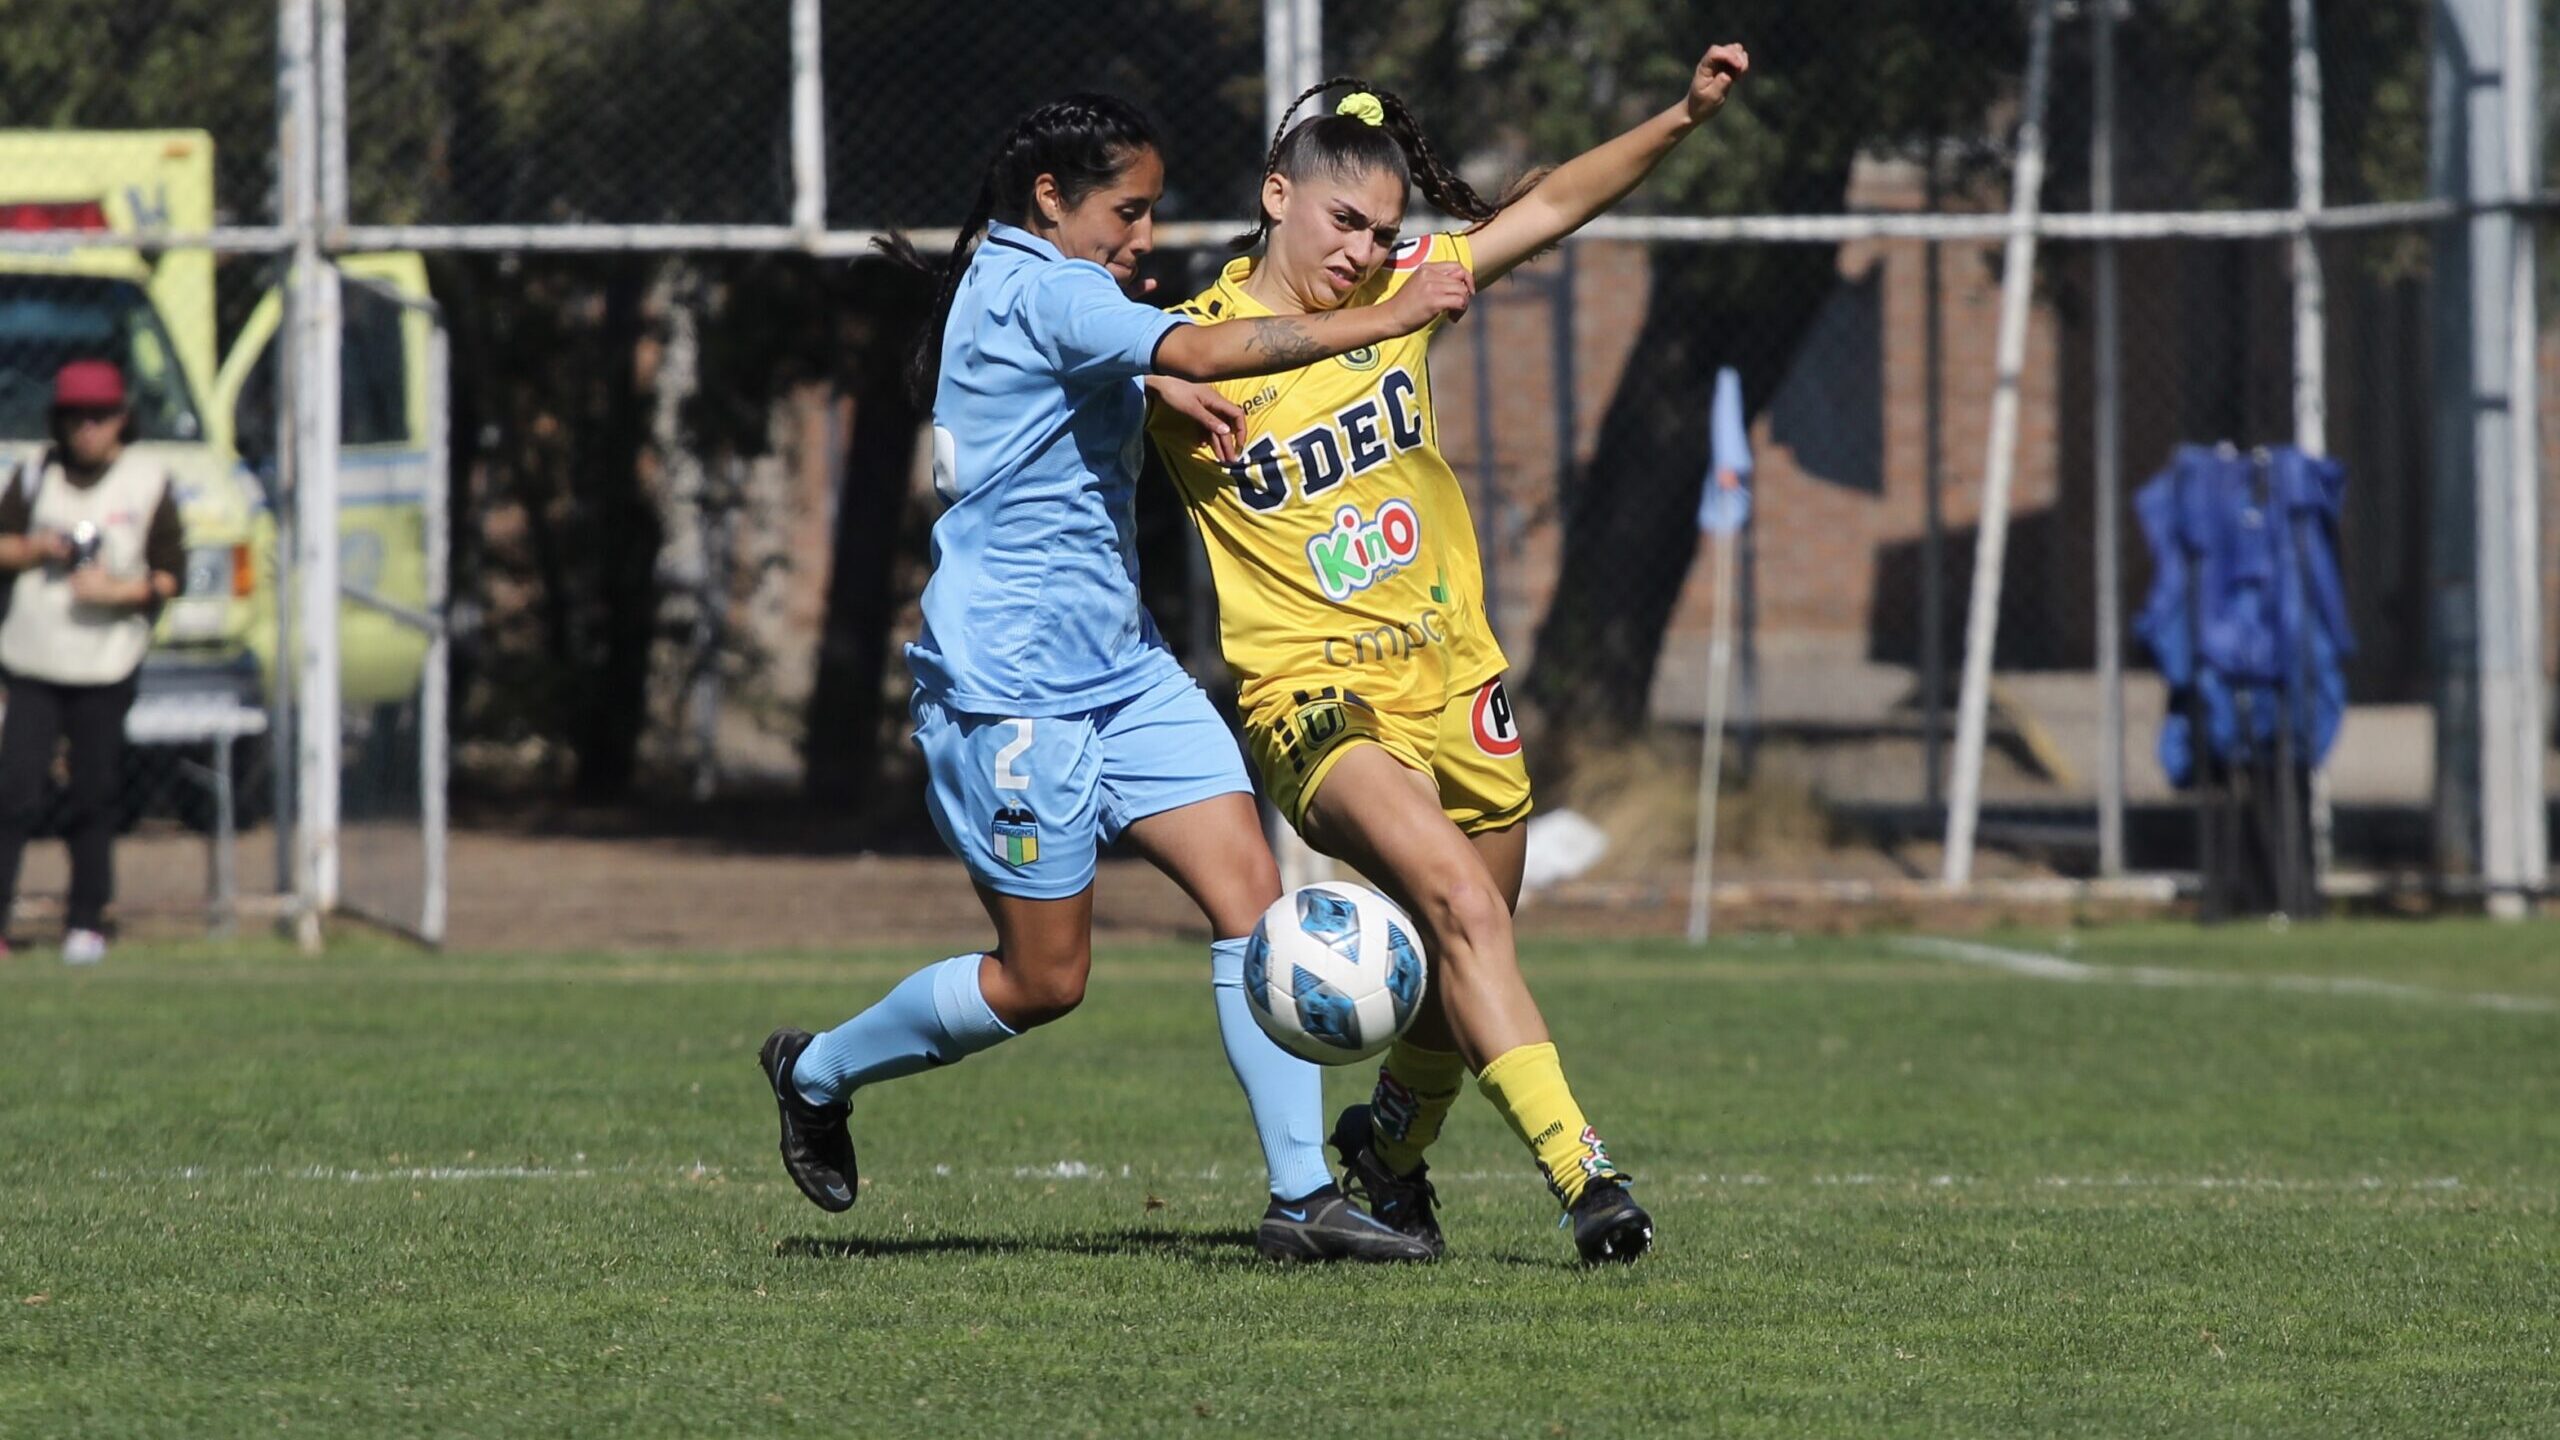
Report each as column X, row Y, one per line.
column 1497, row 728
column 1317, row 719
column 1016, row 836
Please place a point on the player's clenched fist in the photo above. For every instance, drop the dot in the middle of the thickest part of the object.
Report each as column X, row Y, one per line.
column 1716, row 75
column 1441, row 288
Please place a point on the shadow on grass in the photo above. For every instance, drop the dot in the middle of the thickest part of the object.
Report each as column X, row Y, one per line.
column 1220, row 1248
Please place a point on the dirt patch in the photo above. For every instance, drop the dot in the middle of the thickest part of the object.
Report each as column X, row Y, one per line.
column 603, row 888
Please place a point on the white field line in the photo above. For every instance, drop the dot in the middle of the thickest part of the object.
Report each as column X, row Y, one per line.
column 2040, row 966
column 1085, row 1170
column 418, row 1174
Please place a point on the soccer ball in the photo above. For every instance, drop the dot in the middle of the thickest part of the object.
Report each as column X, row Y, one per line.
column 1333, row 972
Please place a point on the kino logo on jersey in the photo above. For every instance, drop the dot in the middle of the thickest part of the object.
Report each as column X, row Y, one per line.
column 1358, row 553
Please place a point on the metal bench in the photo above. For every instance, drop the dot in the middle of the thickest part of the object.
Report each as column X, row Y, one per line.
column 201, row 718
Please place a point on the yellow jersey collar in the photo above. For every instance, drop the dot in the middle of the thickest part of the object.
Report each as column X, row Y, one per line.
column 1230, row 288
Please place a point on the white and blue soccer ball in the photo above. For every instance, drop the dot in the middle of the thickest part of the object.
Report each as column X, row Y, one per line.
column 1334, row 971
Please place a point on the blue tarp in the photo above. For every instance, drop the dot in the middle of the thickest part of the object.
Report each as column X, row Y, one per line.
column 2247, row 616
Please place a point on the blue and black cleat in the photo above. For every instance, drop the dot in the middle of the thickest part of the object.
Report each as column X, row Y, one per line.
column 1327, row 1226
column 817, row 1147
column 1403, row 1203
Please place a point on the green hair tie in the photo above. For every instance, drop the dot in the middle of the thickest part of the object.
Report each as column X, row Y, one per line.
column 1364, row 107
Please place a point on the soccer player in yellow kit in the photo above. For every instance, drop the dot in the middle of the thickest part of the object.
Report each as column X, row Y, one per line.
column 1350, row 601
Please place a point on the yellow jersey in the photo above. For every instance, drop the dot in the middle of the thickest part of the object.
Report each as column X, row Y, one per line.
column 1340, row 543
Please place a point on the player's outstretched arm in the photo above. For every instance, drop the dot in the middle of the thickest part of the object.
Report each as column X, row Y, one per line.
column 1233, row 349
column 1579, row 190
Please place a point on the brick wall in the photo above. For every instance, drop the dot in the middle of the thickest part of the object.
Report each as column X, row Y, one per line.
column 1837, row 524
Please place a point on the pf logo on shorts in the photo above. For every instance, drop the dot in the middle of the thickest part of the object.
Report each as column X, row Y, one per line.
column 1497, row 729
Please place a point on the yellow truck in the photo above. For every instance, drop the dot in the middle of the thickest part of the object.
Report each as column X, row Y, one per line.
column 154, row 312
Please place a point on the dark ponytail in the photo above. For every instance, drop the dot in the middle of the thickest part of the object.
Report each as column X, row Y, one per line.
column 1346, row 146
column 1082, row 141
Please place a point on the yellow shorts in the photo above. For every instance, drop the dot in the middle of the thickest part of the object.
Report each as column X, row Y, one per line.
column 1470, row 748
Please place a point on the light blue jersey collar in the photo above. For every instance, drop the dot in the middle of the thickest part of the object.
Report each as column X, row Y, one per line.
column 1017, row 238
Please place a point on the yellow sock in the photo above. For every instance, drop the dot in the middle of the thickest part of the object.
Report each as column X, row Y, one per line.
column 1527, row 1086
column 1416, row 1087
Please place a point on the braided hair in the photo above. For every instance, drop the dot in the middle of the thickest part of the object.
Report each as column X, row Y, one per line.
column 1344, row 147
column 1082, row 141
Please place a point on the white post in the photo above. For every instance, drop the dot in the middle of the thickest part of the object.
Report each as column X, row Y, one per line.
column 2530, row 845
column 319, row 725
column 2310, row 331
column 2484, row 145
column 1292, row 60
column 1310, row 44
column 311, row 402
column 1702, row 875
column 332, row 137
column 293, row 172
column 2108, row 443
column 2310, row 314
column 2000, row 463
column 1279, row 39
column 1292, row 54
column 808, row 125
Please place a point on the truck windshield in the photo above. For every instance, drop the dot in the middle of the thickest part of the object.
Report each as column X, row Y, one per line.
column 47, row 320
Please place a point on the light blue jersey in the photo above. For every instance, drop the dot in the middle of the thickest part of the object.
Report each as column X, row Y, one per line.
column 1038, row 424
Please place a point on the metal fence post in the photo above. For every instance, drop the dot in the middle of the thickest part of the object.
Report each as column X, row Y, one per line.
column 330, row 141
column 311, row 400
column 1279, row 18
column 2484, row 339
column 1292, row 53
column 1933, row 535
column 1292, row 60
column 2310, row 331
column 2530, row 845
column 2000, row 463
column 435, row 698
column 2108, row 380
column 808, row 125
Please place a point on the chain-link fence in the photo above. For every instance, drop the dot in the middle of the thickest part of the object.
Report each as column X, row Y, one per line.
column 689, row 522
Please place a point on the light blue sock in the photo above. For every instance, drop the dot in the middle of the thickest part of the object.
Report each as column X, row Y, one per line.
column 1285, row 1092
column 937, row 1016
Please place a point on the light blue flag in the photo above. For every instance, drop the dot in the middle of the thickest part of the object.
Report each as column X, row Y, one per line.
column 1725, row 505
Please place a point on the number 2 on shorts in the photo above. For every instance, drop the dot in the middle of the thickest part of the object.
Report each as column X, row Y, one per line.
column 1008, row 778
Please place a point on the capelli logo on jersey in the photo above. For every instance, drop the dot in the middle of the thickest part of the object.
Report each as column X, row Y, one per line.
column 1364, row 358
column 1358, row 551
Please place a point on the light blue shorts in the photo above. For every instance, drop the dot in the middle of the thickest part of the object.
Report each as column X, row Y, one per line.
column 1028, row 802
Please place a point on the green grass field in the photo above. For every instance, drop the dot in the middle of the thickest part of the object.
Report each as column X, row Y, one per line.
column 2181, row 1182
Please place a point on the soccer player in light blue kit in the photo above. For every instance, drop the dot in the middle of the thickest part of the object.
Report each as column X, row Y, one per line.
column 1051, row 715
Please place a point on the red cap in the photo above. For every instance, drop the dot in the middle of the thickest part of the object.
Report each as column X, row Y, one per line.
column 88, row 385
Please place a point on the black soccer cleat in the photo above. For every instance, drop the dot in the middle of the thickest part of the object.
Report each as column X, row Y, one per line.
column 1402, row 1203
column 1608, row 1224
column 817, row 1148
column 1327, row 1226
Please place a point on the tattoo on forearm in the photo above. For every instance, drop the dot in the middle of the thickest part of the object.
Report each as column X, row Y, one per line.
column 1283, row 339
